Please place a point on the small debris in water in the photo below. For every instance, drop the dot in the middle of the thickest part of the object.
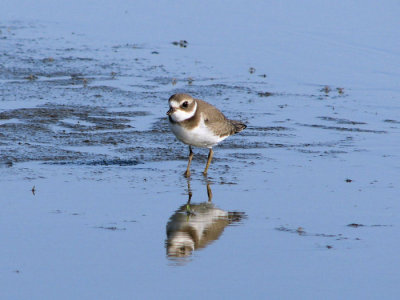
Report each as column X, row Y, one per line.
column 265, row 94
column 348, row 180
column 181, row 43
column 113, row 228
column 31, row 77
column 355, row 225
column 329, row 246
column 300, row 230
column 326, row 89
column 48, row 59
column 391, row 121
column 340, row 90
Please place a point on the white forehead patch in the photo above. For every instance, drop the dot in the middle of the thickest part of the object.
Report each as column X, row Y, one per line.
column 174, row 104
column 180, row 115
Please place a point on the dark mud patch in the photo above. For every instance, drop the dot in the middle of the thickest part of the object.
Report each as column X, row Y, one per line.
column 301, row 232
column 73, row 68
column 54, row 113
column 247, row 144
column 341, row 121
column 391, row 121
column 268, row 128
column 111, row 228
column 329, row 148
column 343, row 129
column 324, row 93
column 161, row 125
column 165, row 80
column 127, row 46
column 46, row 153
column 265, row 94
column 277, row 131
column 6, row 164
column 43, row 133
column 246, row 156
column 154, row 154
column 358, row 225
column 218, row 89
column 101, row 162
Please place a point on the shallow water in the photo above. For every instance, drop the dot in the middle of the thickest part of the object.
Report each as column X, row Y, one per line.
column 302, row 204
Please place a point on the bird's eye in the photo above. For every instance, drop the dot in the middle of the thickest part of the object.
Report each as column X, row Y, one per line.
column 185, row 104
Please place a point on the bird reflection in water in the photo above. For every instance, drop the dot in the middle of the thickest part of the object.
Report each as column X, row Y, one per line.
column 195, row 226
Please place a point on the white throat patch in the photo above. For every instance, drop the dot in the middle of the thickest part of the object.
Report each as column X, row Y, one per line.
column 180, row 115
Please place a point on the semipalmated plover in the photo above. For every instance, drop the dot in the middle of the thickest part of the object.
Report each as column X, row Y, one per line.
column 198, row 123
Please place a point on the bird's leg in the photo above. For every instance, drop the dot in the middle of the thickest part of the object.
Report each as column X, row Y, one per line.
column 188, row 209
column 209, row 192
column 189, row 191
column 187, row 173
column 210, row 156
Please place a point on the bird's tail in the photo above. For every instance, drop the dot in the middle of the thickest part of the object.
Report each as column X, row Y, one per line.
column 238, row 126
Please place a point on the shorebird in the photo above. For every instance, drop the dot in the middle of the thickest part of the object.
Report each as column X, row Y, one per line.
column 200, row 124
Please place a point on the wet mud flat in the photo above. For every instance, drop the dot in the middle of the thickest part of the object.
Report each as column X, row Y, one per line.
column 74, row 105
column 89, row 165
column 59, row 102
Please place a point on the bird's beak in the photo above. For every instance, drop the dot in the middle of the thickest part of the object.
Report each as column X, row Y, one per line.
column 170, row 111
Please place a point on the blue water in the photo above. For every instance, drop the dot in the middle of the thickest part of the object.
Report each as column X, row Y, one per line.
column 313, row 177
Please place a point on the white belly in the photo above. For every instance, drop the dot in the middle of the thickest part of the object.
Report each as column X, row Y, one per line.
column 199, row 136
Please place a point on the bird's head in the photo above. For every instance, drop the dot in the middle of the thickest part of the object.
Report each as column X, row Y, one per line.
column 181, row 107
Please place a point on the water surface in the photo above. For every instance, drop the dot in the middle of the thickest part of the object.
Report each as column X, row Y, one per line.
column 304, row 201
